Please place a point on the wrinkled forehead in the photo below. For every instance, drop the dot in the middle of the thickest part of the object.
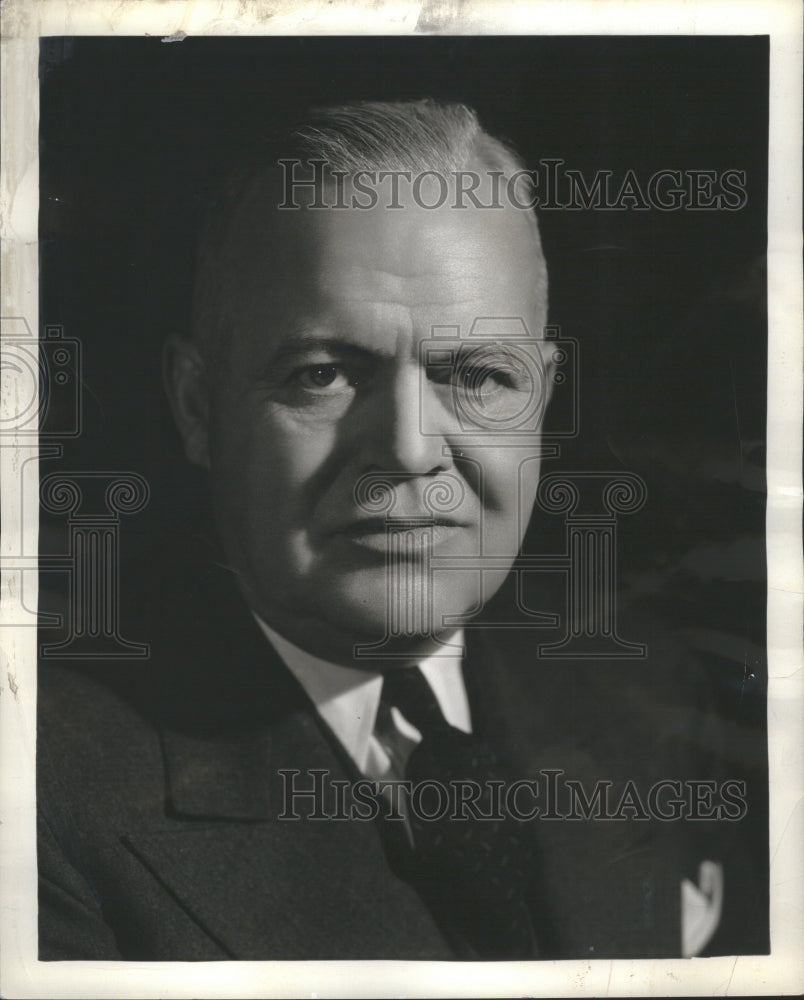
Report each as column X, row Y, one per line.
column 414, row 247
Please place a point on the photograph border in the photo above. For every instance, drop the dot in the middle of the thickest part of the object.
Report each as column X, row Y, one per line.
column 23, row 23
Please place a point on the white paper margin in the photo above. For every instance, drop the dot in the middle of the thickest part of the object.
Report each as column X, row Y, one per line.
column 23, row 22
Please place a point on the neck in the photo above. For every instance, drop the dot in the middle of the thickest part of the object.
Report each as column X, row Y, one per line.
column 363, row 652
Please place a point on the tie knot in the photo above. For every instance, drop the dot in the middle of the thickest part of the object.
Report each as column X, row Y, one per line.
column 407, row 689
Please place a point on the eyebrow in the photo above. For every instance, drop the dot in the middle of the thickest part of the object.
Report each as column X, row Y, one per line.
column 491, row 349
column 298, row 345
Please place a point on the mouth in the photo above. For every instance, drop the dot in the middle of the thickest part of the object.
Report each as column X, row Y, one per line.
column 407, row 536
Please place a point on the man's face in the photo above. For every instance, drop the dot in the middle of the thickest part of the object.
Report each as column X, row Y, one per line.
column 350, row 364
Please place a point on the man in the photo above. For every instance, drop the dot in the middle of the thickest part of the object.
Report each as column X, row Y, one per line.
column 364, row 386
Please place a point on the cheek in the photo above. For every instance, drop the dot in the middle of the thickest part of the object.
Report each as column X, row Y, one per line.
column 269, row 475
column 510, row 479
column 267, row 447
column 529, row 473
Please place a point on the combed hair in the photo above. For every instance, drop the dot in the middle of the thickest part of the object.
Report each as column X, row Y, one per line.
column 406, row 135
column 416, row 136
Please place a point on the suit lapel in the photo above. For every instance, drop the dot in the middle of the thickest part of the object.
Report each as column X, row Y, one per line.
column 264, row 885
column 284, row 890
column 260, row 885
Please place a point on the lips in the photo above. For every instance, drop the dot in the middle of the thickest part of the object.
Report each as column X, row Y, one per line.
column 382, row 526
column 415, row 532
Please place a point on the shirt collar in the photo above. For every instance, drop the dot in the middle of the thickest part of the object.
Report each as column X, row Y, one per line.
column 347, row 698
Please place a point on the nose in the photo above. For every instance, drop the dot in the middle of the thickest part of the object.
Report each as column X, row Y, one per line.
column 397, row 437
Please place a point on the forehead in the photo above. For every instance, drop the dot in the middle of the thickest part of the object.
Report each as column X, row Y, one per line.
column 408, row 267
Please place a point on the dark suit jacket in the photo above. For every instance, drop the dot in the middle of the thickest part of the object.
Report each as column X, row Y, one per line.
column 160, row 794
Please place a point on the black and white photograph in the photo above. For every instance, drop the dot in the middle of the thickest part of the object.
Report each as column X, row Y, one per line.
column 398, row 434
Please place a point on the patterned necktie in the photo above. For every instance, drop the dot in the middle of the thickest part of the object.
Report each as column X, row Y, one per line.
column 473, row 872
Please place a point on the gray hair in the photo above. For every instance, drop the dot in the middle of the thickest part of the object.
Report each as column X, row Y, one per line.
column 416, row 136
column 403, row 135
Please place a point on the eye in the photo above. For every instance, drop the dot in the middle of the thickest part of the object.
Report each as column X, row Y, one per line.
column 318, row 378
column 482, row 379
column 478, row 372
column 479, row 379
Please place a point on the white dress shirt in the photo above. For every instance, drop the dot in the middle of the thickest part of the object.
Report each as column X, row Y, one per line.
column 347, row 699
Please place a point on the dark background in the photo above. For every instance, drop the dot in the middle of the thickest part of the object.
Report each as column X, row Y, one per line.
column 668, row 307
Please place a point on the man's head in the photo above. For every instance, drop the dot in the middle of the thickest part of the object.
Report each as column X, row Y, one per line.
column 356, row 369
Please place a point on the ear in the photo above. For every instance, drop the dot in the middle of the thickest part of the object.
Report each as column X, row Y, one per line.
column 185, row 378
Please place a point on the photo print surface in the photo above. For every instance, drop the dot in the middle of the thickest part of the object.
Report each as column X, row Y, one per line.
column 402, row 575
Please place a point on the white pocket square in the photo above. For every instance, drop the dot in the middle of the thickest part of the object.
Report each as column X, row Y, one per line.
column 701, row 906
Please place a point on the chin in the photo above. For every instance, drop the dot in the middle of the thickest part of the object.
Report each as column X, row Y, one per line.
column 360, row 603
